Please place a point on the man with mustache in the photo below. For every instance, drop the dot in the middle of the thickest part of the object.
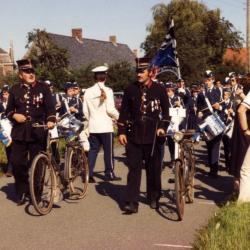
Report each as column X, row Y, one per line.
column 30, row 102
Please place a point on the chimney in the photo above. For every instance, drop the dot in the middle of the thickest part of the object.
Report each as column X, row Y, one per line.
column 77, row 34
column 112, row 39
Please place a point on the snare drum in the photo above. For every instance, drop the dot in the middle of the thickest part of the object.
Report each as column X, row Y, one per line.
column 212, row 127
column 5, row 131
column 69, row 122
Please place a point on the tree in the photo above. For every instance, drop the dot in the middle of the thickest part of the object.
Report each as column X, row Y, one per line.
column 202, row 36
column 119, row 75
column 9, row 79
column 51, row 61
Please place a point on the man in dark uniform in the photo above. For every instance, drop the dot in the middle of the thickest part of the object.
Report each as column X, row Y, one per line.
column 143, row 101
column 213, row 95
column 183, row 92
column 30, row 102
column 192, row 108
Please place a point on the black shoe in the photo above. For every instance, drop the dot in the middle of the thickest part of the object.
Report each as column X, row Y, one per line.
column 21, row 200
column 213, row 174
column 154, row 204
column 92, row 179
column 130, row 208
column 112, row 178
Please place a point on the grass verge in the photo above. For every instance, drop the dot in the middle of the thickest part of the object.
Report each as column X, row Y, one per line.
column 229, row 229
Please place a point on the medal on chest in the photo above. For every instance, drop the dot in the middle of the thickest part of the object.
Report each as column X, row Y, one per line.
column 38, row 100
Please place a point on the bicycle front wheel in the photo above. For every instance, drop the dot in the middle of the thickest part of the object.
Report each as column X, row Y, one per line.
column 77, row 172
column 179, row 189
column 42, row 183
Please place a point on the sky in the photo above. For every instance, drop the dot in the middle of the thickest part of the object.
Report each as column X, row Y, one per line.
column 127, row 19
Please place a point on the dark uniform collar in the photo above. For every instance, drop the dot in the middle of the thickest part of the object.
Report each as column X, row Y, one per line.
column 25, row 85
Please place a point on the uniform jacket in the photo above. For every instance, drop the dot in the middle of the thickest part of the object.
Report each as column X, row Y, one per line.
column 34, row 102
column 99, row 114
column 224, row 112
column 75, row 102
column 142, row 108
column 213, row 96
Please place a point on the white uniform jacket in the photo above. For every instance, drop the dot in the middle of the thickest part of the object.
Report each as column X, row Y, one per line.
column 99, row 114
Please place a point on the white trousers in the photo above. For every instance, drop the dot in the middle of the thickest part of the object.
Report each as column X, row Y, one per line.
column 244, row 195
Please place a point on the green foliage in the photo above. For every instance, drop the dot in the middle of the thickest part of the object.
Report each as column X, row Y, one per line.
column 202, row 35
column 9, row 79
column 228, row 66
column 229, row 229
column 52, row 61
column 3, row 158
column 119, row 75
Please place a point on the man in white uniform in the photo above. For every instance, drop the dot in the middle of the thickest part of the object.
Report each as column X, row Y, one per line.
column 244, row 194
column 100, row 111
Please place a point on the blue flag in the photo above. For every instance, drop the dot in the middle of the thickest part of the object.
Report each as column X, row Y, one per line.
column 167, row 55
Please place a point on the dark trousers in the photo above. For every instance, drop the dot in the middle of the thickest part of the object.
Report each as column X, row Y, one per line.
column 8, row 154
column 136, row 154
column 171, row 147
column 227, row 150
column 22, row 154
column 213, row 148
column 95, row 141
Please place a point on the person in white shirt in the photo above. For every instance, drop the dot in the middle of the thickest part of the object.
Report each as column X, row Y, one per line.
column 244, row 194
column 99, row 110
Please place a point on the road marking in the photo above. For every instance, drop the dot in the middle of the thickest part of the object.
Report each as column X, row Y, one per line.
column 173, row 246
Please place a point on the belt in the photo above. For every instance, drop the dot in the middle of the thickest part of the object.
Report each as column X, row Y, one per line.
column 145, row 118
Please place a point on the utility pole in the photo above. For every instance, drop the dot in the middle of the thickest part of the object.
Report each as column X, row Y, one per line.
column 248, row 36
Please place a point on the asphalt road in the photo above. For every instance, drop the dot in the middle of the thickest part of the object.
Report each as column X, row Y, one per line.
column 97, row 221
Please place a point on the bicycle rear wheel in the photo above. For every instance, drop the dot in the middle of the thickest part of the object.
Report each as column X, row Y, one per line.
column 190, row 179
column 42, row 183
column 76, row 172
column 179, row 189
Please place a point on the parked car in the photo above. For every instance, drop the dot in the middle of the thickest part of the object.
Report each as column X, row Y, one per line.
column 118, row 99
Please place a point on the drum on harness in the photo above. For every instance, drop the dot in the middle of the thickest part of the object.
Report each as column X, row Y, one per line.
column 212, row 126
column 5, row 131
column 68, row 126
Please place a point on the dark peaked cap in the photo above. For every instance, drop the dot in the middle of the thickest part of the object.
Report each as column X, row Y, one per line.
column 24, row 64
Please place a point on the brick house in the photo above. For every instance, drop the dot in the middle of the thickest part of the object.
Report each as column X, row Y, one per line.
column 6, row 62
column 239, row 55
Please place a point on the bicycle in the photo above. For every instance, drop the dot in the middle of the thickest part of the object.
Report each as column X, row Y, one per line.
column 184, row 169
column 47, row 181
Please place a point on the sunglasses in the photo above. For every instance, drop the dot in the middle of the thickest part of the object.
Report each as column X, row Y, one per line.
column 28, row 71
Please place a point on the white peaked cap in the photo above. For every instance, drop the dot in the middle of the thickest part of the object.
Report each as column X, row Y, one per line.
column 100, row 69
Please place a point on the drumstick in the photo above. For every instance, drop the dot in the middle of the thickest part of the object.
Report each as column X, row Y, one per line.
column 212, row 106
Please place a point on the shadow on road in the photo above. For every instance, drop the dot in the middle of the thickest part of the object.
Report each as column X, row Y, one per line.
column 122, row 159
column 114, row 191
column 221, row 191
column 9, row 190
column 167, row 207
